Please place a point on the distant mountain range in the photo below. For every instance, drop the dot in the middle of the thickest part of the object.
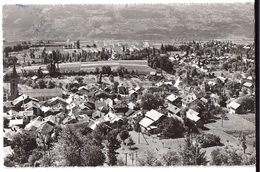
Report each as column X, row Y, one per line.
column 133, row 22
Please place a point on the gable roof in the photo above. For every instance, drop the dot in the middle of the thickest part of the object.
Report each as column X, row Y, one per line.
column 146, row 122
column 43, row 92
column 153, row 115
column 34, row 124
column 171, row 97
column 189, row 98
column 45, row 128
column 192, row 115
column 233, row 105
column 173, row 108
column 248, row 84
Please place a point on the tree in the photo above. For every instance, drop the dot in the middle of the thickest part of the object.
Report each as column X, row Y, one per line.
column 171, row 127
column 130, row 142
column 226, row 156
column 97, row 70
column 171, row 158
column 191, row 154
column 75, row 149
column 149, row 101
column 50, row 84
column 124, row 134
column 247, row 102
column 113, row 145
column 148, row 159
column 40, row 83
column 242, row 140
column 223, row 115
column 23, row 145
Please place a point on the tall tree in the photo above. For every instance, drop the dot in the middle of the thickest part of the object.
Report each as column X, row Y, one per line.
column 191, row 154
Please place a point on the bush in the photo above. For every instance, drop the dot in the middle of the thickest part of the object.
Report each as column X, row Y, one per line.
column 208, row 140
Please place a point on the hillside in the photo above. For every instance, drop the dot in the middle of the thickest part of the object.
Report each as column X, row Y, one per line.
column 135, row 22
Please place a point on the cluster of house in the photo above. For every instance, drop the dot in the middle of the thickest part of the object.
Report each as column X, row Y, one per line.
column 40, row 110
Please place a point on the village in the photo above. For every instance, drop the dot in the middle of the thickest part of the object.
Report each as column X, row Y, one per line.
column 136, row 106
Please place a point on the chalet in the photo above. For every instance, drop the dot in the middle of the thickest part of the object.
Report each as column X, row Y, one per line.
column 43, row 94
column 131, row 105
column 248, row 85
column 34, row 124
column 133, row 93
column 112, row 117
column 45, row 128
column 129, row 112
column 27, row 116
column 23, row 99
column 193, row 116
column 173, row 110
column 173, row 99
column 151, row 117
column 204, row 100
column 214, row 98
column 16, row 122
column 235, row 107
column 97, row 114
column 69, row 119
column 53, row 120
column 56, row 100
column 33, row 106
column 189, row 100
column 222, row 79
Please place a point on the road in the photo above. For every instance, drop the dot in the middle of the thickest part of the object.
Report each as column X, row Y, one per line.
column 85, row 65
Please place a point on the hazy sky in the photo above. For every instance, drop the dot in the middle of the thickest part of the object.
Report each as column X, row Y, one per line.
column 117, row 1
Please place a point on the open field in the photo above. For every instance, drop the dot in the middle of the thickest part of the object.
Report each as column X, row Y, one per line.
column 162, row 146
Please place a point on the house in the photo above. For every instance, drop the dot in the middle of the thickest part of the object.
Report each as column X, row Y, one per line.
column 97, row 114
column 193, row 116
column 43, row 94
column 131, row 105
column 34, row 124
column 16, row 122
column 129, row 113
column 53, row 120
column 57, row 100
column 151, row 117
column 45, row 128
column 173, row 99
column 33, row 106
column 204, row 100
column 8, row 151
column 173, row 110
column 222, row 79
column 133, row 93
column 23, row 99
column 189, row 100
column 111, row 117
column 235, row 107
column 27, row 116
column 248, row 86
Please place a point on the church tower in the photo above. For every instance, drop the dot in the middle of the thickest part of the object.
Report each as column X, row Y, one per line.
column 13, row 84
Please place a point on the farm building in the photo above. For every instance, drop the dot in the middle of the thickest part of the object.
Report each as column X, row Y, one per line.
column 173, row 99
column 193, row 116
column 235, row 107
column 173, row 110
column 43, row 94
column 151, row 117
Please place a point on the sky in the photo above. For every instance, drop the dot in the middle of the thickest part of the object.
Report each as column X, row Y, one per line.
column 119, row 1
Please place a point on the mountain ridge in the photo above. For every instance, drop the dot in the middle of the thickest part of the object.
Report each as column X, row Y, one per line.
column 140, row 22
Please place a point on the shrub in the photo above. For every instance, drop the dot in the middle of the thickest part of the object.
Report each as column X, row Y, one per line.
column 208, row 140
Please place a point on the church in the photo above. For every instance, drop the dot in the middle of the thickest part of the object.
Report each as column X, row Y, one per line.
column 13, row 90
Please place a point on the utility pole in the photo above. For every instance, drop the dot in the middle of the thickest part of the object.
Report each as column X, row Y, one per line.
column 126, row 159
